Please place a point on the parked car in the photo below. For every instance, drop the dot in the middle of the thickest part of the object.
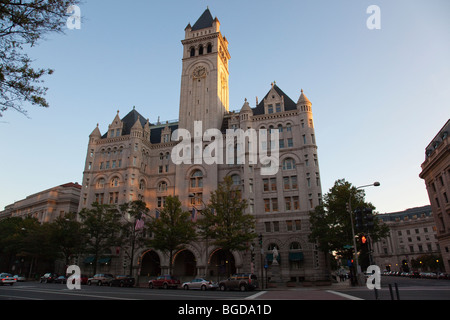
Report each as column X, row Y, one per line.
column 200, row 283
column 61, row 279
column 414, row 274
column 122, row 281
column 241, row 281
column 84, row 279
column 7, row 278
column 19, row 278
column 48, row 277
column 165, row 282
column 100, row 279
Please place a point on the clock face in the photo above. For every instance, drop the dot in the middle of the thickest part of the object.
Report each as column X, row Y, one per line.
column 199, row 72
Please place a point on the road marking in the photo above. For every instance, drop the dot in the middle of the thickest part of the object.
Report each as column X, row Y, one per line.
column 256, row 295
column 17, row 297
column 74, row 294
column 347, row 296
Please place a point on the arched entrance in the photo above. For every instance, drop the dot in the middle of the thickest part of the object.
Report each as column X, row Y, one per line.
column 221, row 264
column 150, row 264
column 184, row 264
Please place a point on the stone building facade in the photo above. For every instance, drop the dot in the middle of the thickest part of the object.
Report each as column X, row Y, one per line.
column 46, row 205
column 412, row 233
column 134, row 160
column 436, row 173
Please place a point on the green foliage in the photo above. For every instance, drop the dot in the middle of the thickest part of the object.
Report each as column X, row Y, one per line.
column 173, row 229
column 24, row 23
column 101, row 225
column 331, row 224
column 225, row 221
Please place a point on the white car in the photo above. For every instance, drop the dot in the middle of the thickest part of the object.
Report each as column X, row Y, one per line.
column 19, row 278
column 200, row 284
column 7, row 278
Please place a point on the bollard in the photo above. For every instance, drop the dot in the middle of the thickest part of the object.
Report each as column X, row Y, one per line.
column 391, row 292
column 396, row 291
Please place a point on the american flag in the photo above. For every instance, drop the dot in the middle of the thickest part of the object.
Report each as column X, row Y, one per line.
column 194, row 215
column 139, row 224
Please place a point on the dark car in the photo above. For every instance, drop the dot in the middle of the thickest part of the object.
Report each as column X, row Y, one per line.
column 48, row 277
column 239, row 281
column 61, row 279
column 122, row 281
column 101, row 279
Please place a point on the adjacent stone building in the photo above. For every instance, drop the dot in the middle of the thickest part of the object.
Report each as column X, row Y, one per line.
column 412, row 234
column 436, row 173
column 46, row 205
column 134, row 160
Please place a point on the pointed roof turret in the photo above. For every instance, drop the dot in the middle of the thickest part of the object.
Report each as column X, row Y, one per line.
column 96, row 132
column 246, row 107
column 303, row 100
column 205, row 21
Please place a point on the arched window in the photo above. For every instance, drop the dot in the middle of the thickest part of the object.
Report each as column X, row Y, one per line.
column 288, row 164
column 115, row 182
column 209, row 50
column 101, row 183
column 197, row 179
column 162, row 186
column 142, row 185
column 200, row 50
column 192, row 51
column 236, row 179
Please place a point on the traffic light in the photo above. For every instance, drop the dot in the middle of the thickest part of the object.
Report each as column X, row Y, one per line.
column 260, row 239
column 358, row 218
column 368, row 215
column 363, row 239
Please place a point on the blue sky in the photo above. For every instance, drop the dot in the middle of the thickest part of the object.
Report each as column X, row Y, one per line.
column 379, row 96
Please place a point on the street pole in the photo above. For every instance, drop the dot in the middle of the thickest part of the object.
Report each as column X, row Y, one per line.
column 358, row 268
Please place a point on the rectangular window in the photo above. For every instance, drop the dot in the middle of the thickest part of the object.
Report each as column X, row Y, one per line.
column 274, row 204
column 286, row 183
column 278, row 107
column 294, row 182
column 281, row 143
column 266, row 184
column 289, row 225
column 296, row 203
column 287, row 202
column 273, row 184
column 290, row 143
column 270, row 108
column 267, row 205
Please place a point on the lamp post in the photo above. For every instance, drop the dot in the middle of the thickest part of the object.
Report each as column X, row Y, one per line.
column 355, row 253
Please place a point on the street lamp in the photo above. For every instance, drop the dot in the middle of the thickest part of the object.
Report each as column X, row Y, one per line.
column 355, row 253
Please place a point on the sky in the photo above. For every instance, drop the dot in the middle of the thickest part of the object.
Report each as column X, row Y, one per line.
column 379, row 95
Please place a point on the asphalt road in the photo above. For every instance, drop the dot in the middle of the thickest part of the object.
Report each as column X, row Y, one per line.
column 408, row 289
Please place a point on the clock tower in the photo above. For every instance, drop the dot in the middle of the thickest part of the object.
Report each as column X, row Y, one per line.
column 204, row 81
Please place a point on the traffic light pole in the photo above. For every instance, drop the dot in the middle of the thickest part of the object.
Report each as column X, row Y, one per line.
column 358, row 268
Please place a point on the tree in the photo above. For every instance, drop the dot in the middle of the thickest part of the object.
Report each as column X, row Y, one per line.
column 101, row 225
column 68, row 236
column 133, row 228
column 172, row 230
column 331, row 226
column 224, row 221
column 24, row 23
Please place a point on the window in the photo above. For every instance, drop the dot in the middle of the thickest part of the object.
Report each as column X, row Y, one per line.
column 288, row 127
column 192, row 51
column 197, row 179
column 290, row 142
column 236, row 180
column 270, row 108
column 278, row 107
column 209, row 49
column 288, row 164
column 162, row 186
column 200, row 50
column 115, row 182
column 101, row 183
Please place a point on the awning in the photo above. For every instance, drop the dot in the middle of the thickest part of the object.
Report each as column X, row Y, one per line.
column 295, row 256
column 269, row 257
column 104, row 260
column 89, row 260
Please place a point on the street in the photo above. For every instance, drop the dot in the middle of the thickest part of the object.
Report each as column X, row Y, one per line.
column 408, row 289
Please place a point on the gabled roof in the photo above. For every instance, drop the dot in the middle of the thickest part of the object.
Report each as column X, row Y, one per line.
column 205, row 21
column 130, row 119
column 288, row 103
